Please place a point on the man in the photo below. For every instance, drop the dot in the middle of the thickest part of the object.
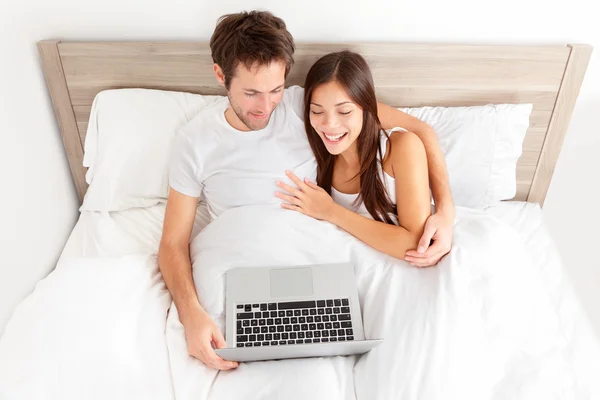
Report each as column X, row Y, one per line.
column 234, row 151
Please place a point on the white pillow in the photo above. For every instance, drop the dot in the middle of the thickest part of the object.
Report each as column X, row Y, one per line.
column 128, row 145
column 481, row 145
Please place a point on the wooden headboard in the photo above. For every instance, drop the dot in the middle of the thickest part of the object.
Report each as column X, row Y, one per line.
column 406, row 75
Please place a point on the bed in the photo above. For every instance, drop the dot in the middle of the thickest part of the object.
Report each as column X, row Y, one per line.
column 102, row 325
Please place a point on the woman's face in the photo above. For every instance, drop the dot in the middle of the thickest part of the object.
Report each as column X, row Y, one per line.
column 335, row 117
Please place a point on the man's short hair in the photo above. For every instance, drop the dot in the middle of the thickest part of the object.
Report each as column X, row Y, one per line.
column 255, row 37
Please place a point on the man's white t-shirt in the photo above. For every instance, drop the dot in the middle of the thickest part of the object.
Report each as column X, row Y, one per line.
column 230, row 168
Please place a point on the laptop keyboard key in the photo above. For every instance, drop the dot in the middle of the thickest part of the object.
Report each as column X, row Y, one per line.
column 301, row 335
column 333, row 339
column 341, row 332
column 347, row 324
column 333, row 318
column 345, row 302
column 332, row 333
column 285, row 336
column 304, row 312
column 263, row 307
column 350, row 338
column 328, row 325
column 342, row 338
column 247, row 331
column 317, row 340
column 336, row 325
column 272, row 329
column 240, row 345
column 242, row 338
column 289, row 313
column 264, row 329
column 256, row 329
column 346, row 310
column 288, row 328
column 299, row 341
column 246, row 322
column 262, row 322
column 317, row 318
column 324, row 340
column 257, row 314
column 281, row 314
column 344, row 317
column 326, row 318
column 254, row 322
column 329, row 303
column 321, row 326
column 336, row 310
column 337, row 302
column 277, row 336
column 248, row 315
column 293, row 335
column 321, row 303
column 247, row 308
column 265, row 343
column 274, row 343
column 308, row 341
column 272, row 306
column 269, row 336
column 302, row 320
column 252, row 338
column 256, row 344
column 248, row 344
column 313, row 311
column 349, row 332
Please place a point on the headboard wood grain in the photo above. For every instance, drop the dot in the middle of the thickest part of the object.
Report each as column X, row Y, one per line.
column 406, row 75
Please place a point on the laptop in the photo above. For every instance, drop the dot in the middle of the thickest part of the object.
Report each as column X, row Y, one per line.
column 292, row 312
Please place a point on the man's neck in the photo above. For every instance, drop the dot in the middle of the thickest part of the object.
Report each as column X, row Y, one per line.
column 233, row 120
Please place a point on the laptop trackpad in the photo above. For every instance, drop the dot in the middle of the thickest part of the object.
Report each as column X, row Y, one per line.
column 291, row 282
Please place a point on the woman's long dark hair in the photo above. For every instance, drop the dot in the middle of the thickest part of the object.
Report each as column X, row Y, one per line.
column 352, row 72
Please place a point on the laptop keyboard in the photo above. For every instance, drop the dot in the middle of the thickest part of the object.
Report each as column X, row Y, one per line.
column 294, row 322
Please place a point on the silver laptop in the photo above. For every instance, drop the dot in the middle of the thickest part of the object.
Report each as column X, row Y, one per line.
column 290, row 312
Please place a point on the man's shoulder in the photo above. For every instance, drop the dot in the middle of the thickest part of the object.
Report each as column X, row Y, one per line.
column 205, row 120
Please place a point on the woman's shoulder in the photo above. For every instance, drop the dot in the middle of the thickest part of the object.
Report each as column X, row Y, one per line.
column 404, row 148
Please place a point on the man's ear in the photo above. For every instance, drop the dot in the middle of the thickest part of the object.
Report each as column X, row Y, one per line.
column 219, row 74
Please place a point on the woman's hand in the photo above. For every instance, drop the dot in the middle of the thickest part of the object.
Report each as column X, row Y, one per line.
column 307, row 198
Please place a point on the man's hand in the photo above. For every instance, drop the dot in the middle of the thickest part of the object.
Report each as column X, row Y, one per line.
column 200, row 332
column 439, row 228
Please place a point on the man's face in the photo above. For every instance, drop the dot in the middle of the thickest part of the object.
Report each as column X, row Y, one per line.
column 254, row 93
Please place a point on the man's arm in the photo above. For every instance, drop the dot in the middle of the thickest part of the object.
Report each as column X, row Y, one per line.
column 439, row 226
column 174, row 252
column 438, row 174
column 176, row 268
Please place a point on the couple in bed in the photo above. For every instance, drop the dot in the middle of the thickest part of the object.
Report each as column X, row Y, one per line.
column 322, row 151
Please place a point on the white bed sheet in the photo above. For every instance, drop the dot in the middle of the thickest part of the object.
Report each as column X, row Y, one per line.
column 137, row 232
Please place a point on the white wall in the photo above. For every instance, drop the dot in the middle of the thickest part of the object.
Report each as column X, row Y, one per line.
column 38, row 206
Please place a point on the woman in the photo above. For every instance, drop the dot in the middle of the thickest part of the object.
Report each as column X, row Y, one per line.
column 373, row 185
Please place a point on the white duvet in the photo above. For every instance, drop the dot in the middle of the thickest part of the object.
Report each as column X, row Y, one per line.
column 480, row 325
